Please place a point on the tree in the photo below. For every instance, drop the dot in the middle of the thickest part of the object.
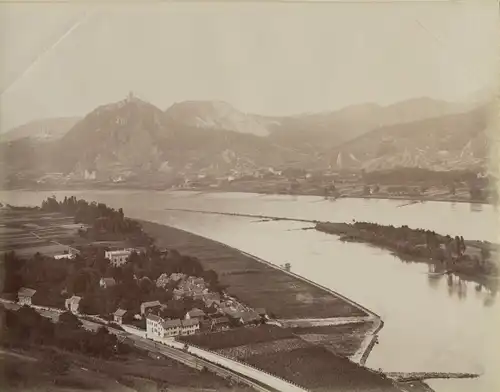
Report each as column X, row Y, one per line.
column 69, row 320
column 463, row 246
column 485, row 254
column 458, row 245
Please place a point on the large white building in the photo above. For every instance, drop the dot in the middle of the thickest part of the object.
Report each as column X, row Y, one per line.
column 158, row 327
column 118, row 257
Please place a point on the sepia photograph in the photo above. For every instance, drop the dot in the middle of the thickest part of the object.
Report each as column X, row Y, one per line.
column 237, row 196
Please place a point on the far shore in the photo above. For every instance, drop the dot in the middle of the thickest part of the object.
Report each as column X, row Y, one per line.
column 115, row 187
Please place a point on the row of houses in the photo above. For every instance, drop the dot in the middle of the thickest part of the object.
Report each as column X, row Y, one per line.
column 156, row 326
column 25, row 297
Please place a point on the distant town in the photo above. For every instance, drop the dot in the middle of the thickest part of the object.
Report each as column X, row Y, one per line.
column 403, row 183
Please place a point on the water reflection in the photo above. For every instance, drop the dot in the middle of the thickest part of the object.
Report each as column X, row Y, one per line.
column 434, row 277
column 476, row 207
column 460, row 288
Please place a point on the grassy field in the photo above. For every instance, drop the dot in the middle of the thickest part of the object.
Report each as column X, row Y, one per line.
column 26, row 371
column 252, row 282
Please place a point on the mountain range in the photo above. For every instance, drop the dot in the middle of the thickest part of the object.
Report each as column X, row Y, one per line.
column 135, row 138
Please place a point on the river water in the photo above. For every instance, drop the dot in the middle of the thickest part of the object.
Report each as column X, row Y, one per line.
column 431, row 323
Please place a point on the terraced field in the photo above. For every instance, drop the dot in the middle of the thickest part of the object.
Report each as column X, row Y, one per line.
column 30, row 231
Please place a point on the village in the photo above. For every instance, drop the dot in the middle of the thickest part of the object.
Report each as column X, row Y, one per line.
column 81, row 265
column 217, row 312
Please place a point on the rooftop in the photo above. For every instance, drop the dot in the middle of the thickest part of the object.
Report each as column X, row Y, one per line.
column 118, row 252
column 171, row 323
column 221, row 320
column 120, row 312
column 75, row 299
column 250, row 316
column 189, row 323
column 196, row 312
column 154, row 318
column 150, row 304
column 26, row 292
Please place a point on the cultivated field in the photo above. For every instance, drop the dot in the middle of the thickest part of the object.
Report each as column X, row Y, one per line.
column 255, row 284
column 283, row 353
column 29, row 231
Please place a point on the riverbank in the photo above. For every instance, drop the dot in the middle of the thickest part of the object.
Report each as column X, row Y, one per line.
column 286, row 296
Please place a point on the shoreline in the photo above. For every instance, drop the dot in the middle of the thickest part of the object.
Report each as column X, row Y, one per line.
column 256, row 192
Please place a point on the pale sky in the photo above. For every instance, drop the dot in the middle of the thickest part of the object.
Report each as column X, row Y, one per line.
column 272, row 58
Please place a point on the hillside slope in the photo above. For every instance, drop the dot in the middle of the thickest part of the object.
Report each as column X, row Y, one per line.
column 453, row 141
column 49, row 129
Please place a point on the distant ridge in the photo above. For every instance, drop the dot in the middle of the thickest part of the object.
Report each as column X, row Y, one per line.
column 133, row 138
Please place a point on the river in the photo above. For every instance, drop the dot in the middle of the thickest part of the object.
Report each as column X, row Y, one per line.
column 431, row 323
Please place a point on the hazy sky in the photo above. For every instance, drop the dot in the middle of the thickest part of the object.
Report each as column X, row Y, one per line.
column 64, row 59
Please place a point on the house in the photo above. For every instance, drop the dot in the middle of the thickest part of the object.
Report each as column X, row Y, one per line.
column 176, row 277
column 195, row 313
column 118, row 257
column 172, row 328
column 107, row 282
column 68, row 256
column 198, row 297
column 206, row 325
column 189, row 327
column 156, row 326
column 212, row 304
column 72, row 304
column 232, row 314
column 25, row 296
column 181, row 293
column 119, row 315
column 211, row 297
column 250, row 317
column 147, row 307
column 220, row 323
